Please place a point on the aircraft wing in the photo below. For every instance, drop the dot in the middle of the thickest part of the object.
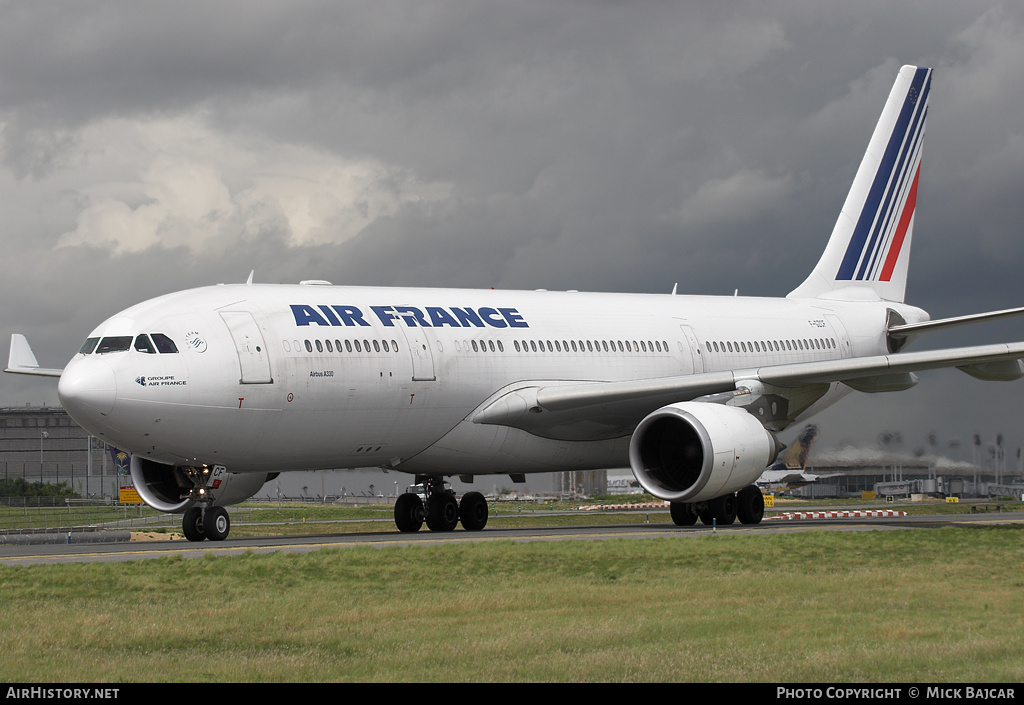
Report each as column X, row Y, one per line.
column 23, row 362
column 591, row 410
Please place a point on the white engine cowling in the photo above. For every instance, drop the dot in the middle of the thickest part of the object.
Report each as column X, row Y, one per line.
column 167, row 488
column 693, row 451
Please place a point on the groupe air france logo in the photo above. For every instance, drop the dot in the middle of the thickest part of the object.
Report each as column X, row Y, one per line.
column 165, row 381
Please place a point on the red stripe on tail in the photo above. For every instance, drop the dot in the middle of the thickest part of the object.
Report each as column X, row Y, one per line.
column 901, row 230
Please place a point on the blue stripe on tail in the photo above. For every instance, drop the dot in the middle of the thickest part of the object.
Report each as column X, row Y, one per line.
column 902, row 142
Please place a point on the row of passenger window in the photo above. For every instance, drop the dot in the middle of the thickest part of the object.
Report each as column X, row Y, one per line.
column 591, row 346
column 338, row 346
column 377, row 346
column 150, row 344
column 771, row 345
column 565, row 346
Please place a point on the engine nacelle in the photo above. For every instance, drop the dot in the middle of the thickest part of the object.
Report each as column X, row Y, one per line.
column 694, row 451
column 171, row 488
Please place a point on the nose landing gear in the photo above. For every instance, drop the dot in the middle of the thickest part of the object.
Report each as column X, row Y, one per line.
column 206, row 523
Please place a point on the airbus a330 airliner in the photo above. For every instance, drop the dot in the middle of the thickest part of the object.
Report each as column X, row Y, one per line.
column 215, row 390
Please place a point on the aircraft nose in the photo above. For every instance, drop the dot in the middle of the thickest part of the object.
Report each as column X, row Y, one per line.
column 87, row 387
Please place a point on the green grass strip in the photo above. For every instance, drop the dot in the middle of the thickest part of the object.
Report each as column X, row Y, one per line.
column 927, row 605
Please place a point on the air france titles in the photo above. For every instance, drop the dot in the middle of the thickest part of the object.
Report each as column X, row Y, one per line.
column 426, row 317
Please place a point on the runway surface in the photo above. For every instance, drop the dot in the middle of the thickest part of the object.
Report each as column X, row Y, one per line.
column 139, row 550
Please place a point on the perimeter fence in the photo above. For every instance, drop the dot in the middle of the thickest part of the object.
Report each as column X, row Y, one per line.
column 53, row 514
column 28, row 515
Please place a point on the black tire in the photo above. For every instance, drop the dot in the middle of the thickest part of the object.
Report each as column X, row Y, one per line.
column 683, row 514
column 750, row 505
column 216, row 523
column 442, row 512
column 723, row 509
column 409, row 512
column 473, row 511
column 192, row 524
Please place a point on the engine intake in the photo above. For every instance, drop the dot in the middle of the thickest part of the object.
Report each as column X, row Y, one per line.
column 693, row 451
column 168, row 488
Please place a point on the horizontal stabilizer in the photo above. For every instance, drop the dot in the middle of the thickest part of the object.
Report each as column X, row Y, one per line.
column 903, row 333
column 23, row 362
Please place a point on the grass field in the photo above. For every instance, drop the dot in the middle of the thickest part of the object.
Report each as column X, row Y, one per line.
column 926, row 605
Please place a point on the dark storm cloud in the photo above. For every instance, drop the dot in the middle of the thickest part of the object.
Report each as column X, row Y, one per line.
column 598, row 146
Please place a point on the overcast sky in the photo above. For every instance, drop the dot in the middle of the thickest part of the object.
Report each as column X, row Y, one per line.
column 147, row 147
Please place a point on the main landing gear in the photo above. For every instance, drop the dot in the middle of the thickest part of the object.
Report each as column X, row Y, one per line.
column 440, row 509
column 747, row 505
column 206, row 523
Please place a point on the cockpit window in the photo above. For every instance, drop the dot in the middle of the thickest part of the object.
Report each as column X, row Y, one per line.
column 115, row 343
column 164, row 344
column 143, row 344
column 89, row 346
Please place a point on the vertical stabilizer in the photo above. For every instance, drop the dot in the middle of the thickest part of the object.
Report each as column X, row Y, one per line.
column 869, row 249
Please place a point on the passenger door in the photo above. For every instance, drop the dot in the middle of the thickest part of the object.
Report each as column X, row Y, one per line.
column 251, row 348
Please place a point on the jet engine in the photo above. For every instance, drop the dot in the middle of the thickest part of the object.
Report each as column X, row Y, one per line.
column 176, row 488
column 695, row 451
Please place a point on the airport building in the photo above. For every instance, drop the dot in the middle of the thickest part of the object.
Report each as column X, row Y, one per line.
column 43, row 444
column 581, row 483
column 894, row 476
column 852, row 472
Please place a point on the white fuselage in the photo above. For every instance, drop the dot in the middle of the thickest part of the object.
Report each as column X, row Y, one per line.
column 277, row 377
